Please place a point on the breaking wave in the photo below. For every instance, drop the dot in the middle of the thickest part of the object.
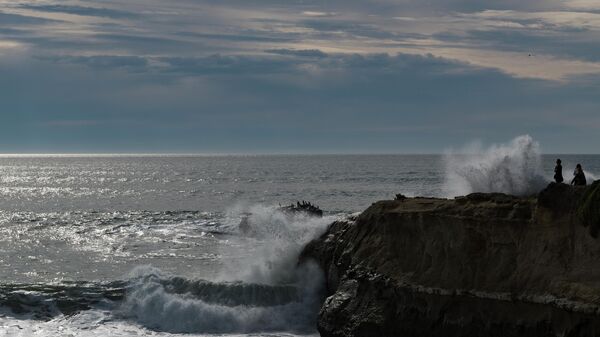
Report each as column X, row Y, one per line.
column 221, row 307
column 172, row 304
column 265, row 290
column 514, row 168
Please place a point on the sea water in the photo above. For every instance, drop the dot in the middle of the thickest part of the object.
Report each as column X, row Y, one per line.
column 150, row 245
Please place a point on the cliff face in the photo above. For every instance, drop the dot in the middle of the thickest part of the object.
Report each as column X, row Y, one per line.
column 480, row 265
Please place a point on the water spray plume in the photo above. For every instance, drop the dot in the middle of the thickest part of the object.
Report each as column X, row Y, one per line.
column 513, row 168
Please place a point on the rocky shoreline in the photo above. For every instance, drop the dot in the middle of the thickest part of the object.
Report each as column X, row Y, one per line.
column 480, row 265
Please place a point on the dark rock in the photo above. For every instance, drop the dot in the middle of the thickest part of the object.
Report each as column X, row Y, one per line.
column 299, row 208
column 479, row 265
column 303, row 208
column 559, row 197
column 588, row 211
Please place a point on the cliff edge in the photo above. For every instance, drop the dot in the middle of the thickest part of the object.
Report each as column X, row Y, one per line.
column 480, row 265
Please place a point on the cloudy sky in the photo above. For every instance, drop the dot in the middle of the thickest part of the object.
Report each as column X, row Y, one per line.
column 231, row 76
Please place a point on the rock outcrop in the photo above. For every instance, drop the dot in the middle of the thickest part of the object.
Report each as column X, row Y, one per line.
column 480, row 265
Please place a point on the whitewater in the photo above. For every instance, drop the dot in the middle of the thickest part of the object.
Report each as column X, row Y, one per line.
column 151, row 245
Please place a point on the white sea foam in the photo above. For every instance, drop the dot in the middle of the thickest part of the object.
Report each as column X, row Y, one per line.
column 152, row 304
column 277, row 240
column 94, row 323
column 513, row 168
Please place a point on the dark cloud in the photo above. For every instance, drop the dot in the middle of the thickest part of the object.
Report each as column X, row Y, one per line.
column 394, row 7
column 16, row 19
column 245, row 36
column 155, row 42
column 377, row 102
column 102, row 61
column 80, row 10
column 295, row 52
column 227, row 64
column 7, row 31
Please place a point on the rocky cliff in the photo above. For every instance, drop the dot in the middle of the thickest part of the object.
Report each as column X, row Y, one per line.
column 480, row 265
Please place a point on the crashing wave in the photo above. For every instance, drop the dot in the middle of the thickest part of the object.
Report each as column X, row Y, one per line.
column 513, row 168
column 259, row 292
column 181, row 306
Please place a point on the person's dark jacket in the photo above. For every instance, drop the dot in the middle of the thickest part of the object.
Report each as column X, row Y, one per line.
column 558, row 177
column 579, row 179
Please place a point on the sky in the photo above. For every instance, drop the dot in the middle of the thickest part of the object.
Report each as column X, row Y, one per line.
column 297, row 76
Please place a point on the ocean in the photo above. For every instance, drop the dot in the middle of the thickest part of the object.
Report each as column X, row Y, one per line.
column 149, row 245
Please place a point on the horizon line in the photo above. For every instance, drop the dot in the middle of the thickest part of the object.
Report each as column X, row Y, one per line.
column 226, row 154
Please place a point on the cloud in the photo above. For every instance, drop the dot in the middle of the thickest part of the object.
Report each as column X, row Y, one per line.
column 375, row 102
column 349, row 27
column 80, row 10
column 383, row 75
column 589, row 5
column 284, row 61
column 226, row 64
column 243, row 36
column 319, row 14
column 17, row 19
column 301, row 52
column 536, row 43
column 576, row 20
column 102, row 61
column 136, row 41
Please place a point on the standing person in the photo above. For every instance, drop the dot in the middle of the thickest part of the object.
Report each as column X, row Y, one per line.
column 579, row 179
column 558, row 177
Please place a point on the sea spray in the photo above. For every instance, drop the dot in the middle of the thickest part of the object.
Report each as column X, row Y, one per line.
column 278, row 239
column 513, row 168
column 259, row 292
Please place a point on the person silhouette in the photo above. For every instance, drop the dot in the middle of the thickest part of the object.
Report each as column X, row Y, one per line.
column 579, row 177
column 558, row 177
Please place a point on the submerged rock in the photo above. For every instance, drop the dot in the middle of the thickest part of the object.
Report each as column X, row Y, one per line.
column 479, row 265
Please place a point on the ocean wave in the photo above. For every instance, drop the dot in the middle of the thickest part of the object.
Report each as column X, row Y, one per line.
column 265, row 290
column 234, row 293
column 178, row 305
column 150, row 299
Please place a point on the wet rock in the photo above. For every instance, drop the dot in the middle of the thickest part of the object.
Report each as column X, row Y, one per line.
column 303, row 207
